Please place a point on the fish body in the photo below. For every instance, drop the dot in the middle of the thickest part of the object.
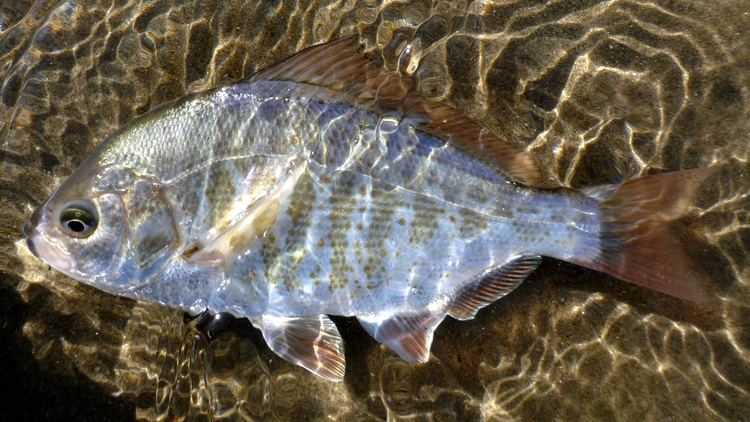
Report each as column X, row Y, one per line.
column 284, row 199
column 379, row 216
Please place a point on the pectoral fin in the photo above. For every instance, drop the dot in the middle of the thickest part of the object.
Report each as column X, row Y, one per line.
column 493, row 285
column 244, row 225
column 410, row 336
column 313, row 343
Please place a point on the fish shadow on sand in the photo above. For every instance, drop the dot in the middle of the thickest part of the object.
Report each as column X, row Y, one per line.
column 34, row 381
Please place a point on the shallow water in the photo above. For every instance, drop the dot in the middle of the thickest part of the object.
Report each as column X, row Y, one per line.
column 596, row 90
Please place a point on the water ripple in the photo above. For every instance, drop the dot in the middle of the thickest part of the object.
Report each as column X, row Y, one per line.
column 596, row 90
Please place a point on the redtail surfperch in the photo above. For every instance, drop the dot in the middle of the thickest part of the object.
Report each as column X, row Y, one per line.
column 325, row 185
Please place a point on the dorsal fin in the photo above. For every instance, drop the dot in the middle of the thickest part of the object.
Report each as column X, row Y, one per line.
column 350, row 74
column 336, row 65
column 473, row 139
column 495, row 284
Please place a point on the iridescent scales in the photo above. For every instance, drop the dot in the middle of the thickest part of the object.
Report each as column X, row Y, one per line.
column 325, row 185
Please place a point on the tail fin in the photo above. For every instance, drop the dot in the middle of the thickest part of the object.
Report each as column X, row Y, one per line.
column 637, row 243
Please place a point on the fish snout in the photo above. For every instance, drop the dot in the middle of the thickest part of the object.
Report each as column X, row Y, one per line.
column 29, row 229
column 30, row 245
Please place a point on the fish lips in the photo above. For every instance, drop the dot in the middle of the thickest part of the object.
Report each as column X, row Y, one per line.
column 40, row 247
column 29, row 230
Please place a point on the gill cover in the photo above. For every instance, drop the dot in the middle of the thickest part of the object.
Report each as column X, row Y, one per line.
column 151, row 231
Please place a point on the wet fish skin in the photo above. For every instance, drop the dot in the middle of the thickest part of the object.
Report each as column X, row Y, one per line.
column 283, row 201
column 401, row 187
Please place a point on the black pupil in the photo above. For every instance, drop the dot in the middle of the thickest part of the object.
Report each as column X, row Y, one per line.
column 79, row 220
column 76, row 226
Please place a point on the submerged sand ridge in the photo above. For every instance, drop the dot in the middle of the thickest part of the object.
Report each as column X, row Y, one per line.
column 596, row 91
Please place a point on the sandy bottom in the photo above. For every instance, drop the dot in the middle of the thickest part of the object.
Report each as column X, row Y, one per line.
column 595, row 90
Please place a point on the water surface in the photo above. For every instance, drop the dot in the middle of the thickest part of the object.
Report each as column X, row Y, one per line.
column 596, row 90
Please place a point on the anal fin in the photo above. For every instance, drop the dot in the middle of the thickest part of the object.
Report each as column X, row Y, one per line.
column 313, row 343
column 410, row 336
column 494, row 284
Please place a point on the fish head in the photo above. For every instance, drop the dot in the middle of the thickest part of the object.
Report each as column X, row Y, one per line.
column 104, row 227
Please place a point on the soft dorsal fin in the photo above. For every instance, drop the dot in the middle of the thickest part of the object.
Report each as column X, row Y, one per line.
column 313, row 343
column 446, row 122
column 347, row 73
column 410, row 336
column 493, row 285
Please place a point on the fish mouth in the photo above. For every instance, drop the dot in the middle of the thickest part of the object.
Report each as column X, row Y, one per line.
column 28, row 232
column 41, row 249
column 50, row 254
column 31, row 247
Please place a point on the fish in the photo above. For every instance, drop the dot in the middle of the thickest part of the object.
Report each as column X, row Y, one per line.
column 327, row 185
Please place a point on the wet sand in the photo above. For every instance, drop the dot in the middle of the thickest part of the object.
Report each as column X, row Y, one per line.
column 597, row 91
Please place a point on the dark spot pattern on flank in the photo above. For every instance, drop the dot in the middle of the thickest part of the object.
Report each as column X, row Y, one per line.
column 592, row 89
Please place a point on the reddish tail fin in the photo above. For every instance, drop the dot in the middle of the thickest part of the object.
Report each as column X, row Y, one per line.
column 637, row 243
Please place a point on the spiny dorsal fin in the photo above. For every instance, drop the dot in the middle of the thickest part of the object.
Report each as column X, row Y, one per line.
column 495, row 284
column 410, row 336
column 335, row 65
column 313, row 343
column 348, row 73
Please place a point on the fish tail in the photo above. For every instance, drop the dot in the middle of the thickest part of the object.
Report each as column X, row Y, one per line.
column 637, row 242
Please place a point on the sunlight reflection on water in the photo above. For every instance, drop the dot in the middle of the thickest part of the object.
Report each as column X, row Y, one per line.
column 595, row 90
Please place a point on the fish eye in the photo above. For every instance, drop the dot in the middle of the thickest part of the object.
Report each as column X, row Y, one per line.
column 79, row 219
